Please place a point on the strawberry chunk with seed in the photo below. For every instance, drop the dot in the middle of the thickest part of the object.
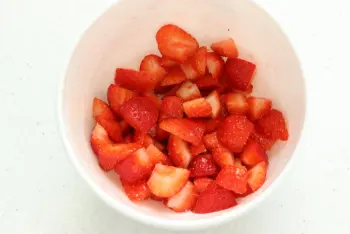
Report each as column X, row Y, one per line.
column 213, row 124
column 188, row 130
column 167, row 63
column 252, row 154
column 140, row 112
column 258, row 107
column 189, row 71
column 175, row 76
column 223, row 157
column 199, row 61
column 142, row 138
column 179, row 152
column 117, row 96
column 236, row 103
column 161, row 135
column 151, row 64
column 183, row 200
column 197, row 108
column 141, row 81
column 101, row 109
column 263, row 141
column 273, row 126
column 240, row 73
column 203, row 165
column 188, row 91
column 112, row 127
column 257, row 176
column 215, row 65
column 166, row 181
column 156, row 155
column 214, row 100
column 234, row 132
column 175, row 43
column 225, row 48
column 171, row 108
column 202, row 183
column 138, row 191
column 214, row 198
column 233, row 178
column 152, row 97
column 206, row 83
column 211, row 141
column 197, row 149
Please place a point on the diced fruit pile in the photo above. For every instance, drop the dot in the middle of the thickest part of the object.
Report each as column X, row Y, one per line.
column 184, row 129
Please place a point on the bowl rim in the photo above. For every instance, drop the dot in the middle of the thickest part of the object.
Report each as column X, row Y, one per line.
column 175, row 224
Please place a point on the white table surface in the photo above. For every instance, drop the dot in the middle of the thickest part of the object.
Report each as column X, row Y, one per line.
column 40, row 191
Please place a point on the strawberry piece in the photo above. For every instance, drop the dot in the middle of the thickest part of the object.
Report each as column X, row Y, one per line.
column 234, row 132
column 258, row 107
column 138, row 191
column 112, row 127
column 124, row 127
column 154, row 197
column 156, row 100
column 183, row 200
column 214, row 100
column 161, row 135
column 223, row 157
column 211, row 141
column 197, row 108
column 213, row 124
column 172, row 91
column 203, row 165
column 225, row 48
column 207, row 83
column 175, row 43
column 189, row 71
column 159, row 145
column 197, row 149
column 233, row 178
column 156, row 155
column 238, row 163
column 140, row 112
column 171, row 108
column 175, row 76
column 263, row 141
column 247, row 91
column 236, row 103
column 141, row 81
column 166, row 181
column 252, row 154
column 188, row 91
column 240, row 73
column 202, row 183
column 109, row 154
column 199, row 61
column 215, row 65
column 151, row 64
column 101, row 109
column 142, row 138
column 179, row 152
column 167, row 63
column 214, row 198
column 273, row 126
column 257, row 176
column 136, row 167
column 117, row 96
column 188, row 130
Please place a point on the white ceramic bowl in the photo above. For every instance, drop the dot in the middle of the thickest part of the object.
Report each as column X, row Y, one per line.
column 124, row 34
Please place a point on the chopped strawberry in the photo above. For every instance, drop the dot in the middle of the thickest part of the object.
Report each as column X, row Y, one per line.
column 203, row 165
column 234, row 132
column 202, row 183
column 101, row 109
column 257, row 175
column 188, row 91
column 207, row 83
column 117, row 96
column 236, row 103
column 171, row 108
column 166, row 181
column 225, row 48
column 273, row 126
column 161, row 135
column 211, row 141
column 167, row 63
column 199, row 61
column 159, row 145
column 238, row 163
column 240, row 72
column 140, row 112
column 183, row 200
column 151, row 64
column 252, row 154
column 179, row 152
column 197, row 149
column 175, row 43
column 136, row 167
column 263, row 141
column 173, row 90
column 138, row 191
column 258, row 107
column 156, row 155
column 197, row 108
column 249, row 191
column 156, row 100
column 141, row 81
column 233, row 178
column 215, row 65
column 142, row 138
column 247, row 91
column 154, row 197
column 214, row 100
column 124, row 127
column 214, row 198
column 212, row 125
column 175, row 76
column 112, row 127
column 189, row 71
column 109, row 154
column 223, row 157
column 188, row 130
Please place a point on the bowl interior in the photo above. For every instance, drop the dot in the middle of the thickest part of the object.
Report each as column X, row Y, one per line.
column 125, row 33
